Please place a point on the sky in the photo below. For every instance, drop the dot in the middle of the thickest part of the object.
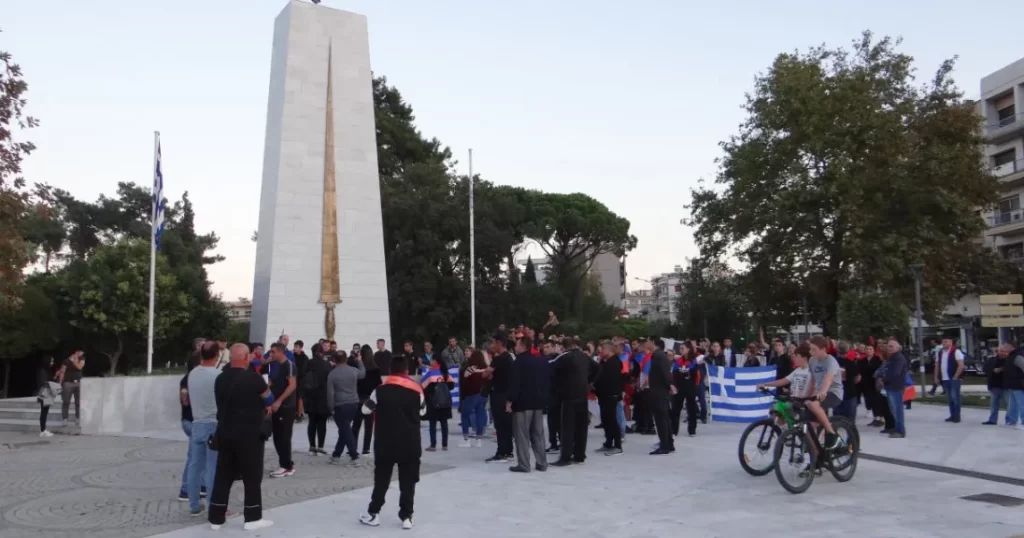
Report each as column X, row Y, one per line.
column 625, row 102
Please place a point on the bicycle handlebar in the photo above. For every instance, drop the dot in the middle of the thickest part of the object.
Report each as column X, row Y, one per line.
column 785, row 398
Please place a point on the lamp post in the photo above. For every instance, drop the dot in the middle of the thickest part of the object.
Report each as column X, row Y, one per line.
column 918, row 269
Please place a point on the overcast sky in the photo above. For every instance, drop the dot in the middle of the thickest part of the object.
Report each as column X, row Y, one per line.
column 623, row 101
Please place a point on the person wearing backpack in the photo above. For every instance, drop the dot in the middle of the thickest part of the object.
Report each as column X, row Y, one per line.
column 343, row 402
column 437, row 392
column 314, row 398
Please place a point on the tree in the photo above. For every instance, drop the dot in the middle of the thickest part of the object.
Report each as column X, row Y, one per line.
column 15, row 251
column 823, row 188
column 712, row 303
column 530, row 272
column 106, row 296
column 27, row 325
column 573, row 230
column 872, row 314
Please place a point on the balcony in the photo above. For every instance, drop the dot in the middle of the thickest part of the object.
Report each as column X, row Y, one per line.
column 999, row 131
column 1007, row 217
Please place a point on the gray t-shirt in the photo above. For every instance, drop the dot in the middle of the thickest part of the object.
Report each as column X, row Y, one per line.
column 821, row 367
column 200, row 394
column 799, row 380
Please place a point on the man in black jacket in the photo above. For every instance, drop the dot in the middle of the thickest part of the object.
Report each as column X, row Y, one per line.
column 574, row 371
column 500, row 374
column 659, row 394
column 555, row 404
column 399, row 406
column 994, row 367
column 528, row 395
column 608, row 388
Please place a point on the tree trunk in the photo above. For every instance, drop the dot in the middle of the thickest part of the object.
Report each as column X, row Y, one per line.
column 115, row 356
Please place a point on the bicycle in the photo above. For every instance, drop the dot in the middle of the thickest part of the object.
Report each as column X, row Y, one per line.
column 780, row 414
column 805, row 452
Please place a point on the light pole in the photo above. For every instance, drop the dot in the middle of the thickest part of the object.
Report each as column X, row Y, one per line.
column 918, row 269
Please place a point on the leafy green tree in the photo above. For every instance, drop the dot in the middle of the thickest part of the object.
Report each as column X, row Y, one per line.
column 862, row 315
column 573, row 230
column 15, row 250
column 106, row 297
column 27, row 326
column 712, row 303
column 822, row 187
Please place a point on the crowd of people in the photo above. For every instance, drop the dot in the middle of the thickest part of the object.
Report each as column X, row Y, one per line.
column 541, row 393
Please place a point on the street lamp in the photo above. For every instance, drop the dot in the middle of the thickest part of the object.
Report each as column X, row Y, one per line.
column 918, row 269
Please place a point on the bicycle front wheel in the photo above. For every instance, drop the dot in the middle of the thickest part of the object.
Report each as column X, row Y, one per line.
column 757, row 447
column 794, row 461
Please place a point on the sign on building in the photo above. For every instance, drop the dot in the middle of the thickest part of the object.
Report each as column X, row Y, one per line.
column 1002, row 310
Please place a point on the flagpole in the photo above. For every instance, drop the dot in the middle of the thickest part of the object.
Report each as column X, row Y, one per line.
column 152, row 257
column 472, row 258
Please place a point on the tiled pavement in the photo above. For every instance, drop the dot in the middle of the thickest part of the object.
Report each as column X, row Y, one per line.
column 100, row 487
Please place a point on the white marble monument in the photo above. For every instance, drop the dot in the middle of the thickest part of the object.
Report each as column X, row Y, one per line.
column 320, row 244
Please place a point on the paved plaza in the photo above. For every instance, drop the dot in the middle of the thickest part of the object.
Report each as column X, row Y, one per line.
column 111, row 487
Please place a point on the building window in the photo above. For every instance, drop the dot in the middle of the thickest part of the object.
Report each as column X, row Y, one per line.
column 1005, row 157
column 1009, row 210
column 1007, row 115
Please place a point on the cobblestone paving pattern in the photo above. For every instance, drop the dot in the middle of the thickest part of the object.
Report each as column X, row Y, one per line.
column 107, row 487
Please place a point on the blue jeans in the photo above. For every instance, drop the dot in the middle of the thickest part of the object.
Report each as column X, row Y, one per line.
column 620, row 416
column 896, row 407
column 847, row 409
column 186, row 426
column 344, row 414
column 202, row 465
column 952, row 388
column 474, row 414
column 1015, row 408
column 997, row 399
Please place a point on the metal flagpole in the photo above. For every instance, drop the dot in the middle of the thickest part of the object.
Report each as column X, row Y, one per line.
column 152, row 251
column 472, row 258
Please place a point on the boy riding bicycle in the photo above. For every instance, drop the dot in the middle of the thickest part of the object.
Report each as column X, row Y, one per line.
column 814, row 367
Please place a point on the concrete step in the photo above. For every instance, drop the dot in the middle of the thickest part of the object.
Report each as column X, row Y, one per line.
column 32, row 426
column 25, row 403
column 28, row 412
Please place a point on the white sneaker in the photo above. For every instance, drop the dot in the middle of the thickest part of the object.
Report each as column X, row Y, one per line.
column 45, row 433
column 214, row 527
column 479, row 443
column 407, row 523
column 282, row 472
column 372, row 520
column 257, row 525
column 1020, row 427
column 468, row 443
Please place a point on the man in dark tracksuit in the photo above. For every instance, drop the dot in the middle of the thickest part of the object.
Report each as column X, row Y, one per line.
column 574, row 371
column 399, row 406
column 659, row 394
column 555, row 406
column 608, row 388
column 500, row 373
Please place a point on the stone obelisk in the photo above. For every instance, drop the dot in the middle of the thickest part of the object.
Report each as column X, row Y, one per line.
column 320, row 244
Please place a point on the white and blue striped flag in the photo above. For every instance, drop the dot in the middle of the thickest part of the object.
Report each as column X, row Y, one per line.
column 158, row 196
column 453, row 372
column 734, row 395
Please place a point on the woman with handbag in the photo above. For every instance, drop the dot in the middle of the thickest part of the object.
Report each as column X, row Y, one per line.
column 437, row 392
column 46, row 391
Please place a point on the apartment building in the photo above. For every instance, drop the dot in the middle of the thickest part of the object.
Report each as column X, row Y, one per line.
column 665, row 291
column 240, row 310
column 638, row 303
column 1002, row 110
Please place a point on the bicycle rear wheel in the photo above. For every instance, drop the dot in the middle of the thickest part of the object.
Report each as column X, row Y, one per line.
column 794, row 461
column 842, row 461
column 757, row 447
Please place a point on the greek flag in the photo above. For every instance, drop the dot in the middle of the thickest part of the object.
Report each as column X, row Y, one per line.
column 158, row 196
column 734, row 396
column 453, row 372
